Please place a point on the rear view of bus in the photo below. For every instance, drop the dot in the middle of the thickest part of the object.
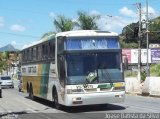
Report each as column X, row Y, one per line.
column 89, row 68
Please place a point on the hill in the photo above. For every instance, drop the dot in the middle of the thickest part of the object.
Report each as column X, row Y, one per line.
column 8, row 47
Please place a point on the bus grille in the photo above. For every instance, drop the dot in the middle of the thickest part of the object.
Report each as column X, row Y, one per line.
column 91, row 90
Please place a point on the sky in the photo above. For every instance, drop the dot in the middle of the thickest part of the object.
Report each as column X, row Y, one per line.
column 23, row 22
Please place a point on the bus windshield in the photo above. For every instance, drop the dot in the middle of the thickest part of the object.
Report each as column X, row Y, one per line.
column 105, row 66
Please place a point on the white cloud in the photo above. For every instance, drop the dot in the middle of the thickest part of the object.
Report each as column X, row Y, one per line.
column 17, row 27
column 52, row 15
column 116, row 23
column 151, row 11
column 13, row 43
column 127, row 12
column 113, row 23
column 1, row 22
column 94, row 12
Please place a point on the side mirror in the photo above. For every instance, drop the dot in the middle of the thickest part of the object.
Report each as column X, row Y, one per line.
column 125, row 63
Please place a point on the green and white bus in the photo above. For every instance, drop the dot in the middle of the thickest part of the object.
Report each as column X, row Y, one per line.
column 74, row 68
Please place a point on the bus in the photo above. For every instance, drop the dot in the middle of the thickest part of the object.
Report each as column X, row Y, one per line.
column 75, row 68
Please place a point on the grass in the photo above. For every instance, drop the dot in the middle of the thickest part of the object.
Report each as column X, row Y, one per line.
column 130, row 73
column 154, row 71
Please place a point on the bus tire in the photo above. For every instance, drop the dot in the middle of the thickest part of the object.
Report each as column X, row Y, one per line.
column 56, row 103
column 28, row 88
column 1, row 93
column 31, row 96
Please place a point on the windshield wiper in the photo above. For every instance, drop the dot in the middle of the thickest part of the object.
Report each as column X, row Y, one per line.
column 107, row 76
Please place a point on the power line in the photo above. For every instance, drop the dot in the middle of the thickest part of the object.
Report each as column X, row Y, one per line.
column 21, row 35
column 24, row 11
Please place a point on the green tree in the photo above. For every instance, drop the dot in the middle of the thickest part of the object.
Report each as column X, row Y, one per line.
column 48, row 34
column 3, row 64
column 154, row 28
column 63, row 24
column 128, row 33
column 86, row 21
column 6, row 55
column 129, row 40
column 5, row 61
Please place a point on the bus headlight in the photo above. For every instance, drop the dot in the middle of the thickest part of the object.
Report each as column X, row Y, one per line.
column 74, row 91
column 77, row 100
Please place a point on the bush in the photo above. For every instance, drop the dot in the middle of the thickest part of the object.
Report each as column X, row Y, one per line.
column 130, row 73
column 143, row 75
column 155, row 70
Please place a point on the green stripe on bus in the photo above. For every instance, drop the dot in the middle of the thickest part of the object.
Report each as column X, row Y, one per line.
column 44, row 80
column 105, row 86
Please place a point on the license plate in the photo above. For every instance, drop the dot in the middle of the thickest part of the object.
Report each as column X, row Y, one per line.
column 118, row 84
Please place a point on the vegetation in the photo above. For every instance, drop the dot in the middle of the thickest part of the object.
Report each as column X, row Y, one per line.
column 86, row 21
column 63, row 24
column 130, row 73
column 129, row 38
column 47, row 34
column 155, row 70
column 6, row 59
column 143, row 75
column 3, row 63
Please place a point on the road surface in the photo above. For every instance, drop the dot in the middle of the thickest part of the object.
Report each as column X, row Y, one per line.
column 17, row 104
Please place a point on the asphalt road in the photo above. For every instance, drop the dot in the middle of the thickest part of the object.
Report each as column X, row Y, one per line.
column 18, row 105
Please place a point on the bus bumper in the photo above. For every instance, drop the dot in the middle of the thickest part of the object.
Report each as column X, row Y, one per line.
column 94, row 98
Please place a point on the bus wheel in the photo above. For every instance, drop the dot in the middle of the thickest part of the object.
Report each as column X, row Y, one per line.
column 56, row 103
column 28, row 89
column 1, row 93
column 31, row 96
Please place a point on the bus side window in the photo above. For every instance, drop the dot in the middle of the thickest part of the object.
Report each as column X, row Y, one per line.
column 60, row 45
column 43, row 52
column 23, row 56
column 28, row 55
column 31, row 57
column 46, row 51
column 34, row 54
column 49, row 50
column 52, row 50
column 40, row 53
column 37, row 54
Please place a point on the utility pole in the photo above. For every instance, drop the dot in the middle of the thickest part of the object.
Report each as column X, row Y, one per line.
column 139, row 43
column 147, row 38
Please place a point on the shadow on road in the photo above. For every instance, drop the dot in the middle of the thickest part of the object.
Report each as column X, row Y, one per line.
column 94, row 108
column 81, row 109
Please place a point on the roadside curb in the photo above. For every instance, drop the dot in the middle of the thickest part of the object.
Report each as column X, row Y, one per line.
column 143, row 95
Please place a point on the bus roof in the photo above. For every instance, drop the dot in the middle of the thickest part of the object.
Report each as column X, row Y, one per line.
column 86, row 33
column 75, row 33
column 52, row 36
